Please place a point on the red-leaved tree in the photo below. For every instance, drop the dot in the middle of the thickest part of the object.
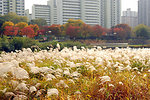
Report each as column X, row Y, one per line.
column 28, row 31
column 55, row 29
column 98, row 31
column 120, row 33
column 123, row 31
column 73, row 32
column 11, row 30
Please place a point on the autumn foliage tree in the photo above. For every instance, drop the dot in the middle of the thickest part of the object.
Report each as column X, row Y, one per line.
column 71, row 22
column 20, row 29
column 34, row 27
column 122, row 31
column 28, row 31
column 7, row 23
column 86, row 30
column 11, row 30
column 21, row 25
column 44, row 30
column 73, row 32
column 55, row 30
column 98, row 31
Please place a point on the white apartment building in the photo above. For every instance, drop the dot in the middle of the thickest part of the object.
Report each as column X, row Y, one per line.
column 130, row 17
column 106, row 13
column 102, row 12
column 144, row 12
column 53, row 9
column 90, row 11
column 28, row 15
column 63, row 10
column 41, row 11
column 16, row 6
column 110, row 12
column 115, row 12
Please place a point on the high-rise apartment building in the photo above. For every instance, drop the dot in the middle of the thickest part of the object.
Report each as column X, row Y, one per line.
column 90, row 11
column 103, row 12
column 41, row 11
column 110, row 12
column 62, row 10
column 129, row 17
column 16, row 6
column 28, row 15
column 86, row 10
column 54, row 11
column 144, row 12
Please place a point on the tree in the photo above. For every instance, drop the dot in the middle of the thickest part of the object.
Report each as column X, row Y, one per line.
column 11, row 30
column 71, row 22
column 86, row 30
column 21, row 25
column 13, row 17
column 97, row 31
column 55, row 30
column 44, row 30
column 74, row 22
column 2, row 20
column 120, row 33
column 34, row 27
column 39, row 22
column 142, row 31
column 125, row 31
column 73, row 32
column 28, row 31
column 8, row 23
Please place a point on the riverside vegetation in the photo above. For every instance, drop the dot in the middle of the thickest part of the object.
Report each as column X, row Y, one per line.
column 72, row 73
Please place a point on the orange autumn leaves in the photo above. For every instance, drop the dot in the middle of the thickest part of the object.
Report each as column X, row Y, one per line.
column 20, row 29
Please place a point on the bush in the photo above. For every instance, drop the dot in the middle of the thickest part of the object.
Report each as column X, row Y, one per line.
column 17, row 43
column 72, row 43
column 53, row 44
column 44, row 45
column 4, row 44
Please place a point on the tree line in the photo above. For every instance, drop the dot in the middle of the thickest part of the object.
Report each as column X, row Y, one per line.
column 14, row 25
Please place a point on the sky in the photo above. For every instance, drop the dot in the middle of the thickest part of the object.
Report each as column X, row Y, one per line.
column 125, row 4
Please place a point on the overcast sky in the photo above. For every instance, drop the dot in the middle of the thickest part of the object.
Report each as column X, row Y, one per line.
column 125, row 4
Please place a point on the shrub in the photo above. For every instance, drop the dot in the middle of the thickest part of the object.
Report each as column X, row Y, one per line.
column 53, row 44
column 4, row 44
column 17, row 43
column 44, row 45
column 72, row 43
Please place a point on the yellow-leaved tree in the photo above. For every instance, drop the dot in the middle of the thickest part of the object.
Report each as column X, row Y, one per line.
column 7, row 23
column 21, row 25
column 71, row 22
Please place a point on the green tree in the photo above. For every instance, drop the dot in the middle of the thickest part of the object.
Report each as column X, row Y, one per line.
column 142, row 31
column 13, row 17
column 39, row 22
column 5, row 45
column 2, row 20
